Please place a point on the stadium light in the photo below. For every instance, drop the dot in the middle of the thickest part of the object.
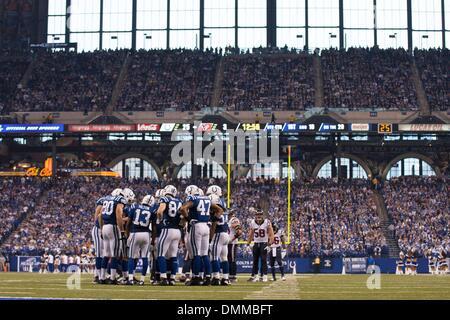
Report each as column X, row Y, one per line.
column 394, row 36
column 332, row 36
column 146, row 36
column 425, row 36
column 208, row 36
column 300, row 36
column 116, row 38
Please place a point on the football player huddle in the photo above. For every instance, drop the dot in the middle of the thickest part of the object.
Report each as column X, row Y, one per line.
column 153, row 230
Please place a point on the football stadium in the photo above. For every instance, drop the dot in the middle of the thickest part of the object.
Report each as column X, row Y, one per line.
column 225, row 149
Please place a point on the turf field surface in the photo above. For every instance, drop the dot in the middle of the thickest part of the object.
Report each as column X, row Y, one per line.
column 347, row 287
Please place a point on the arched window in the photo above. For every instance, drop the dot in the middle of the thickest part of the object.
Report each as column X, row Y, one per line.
column 209, row 169
column 410, row 167
column 349, row 169
column 135, row 168
column 270, row 170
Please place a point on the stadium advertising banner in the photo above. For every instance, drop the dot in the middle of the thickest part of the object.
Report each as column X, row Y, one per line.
column 27, row 264
column 355, row 265
column 102, row 128
column 360, row 127
column 424, row 127
column 31, row 128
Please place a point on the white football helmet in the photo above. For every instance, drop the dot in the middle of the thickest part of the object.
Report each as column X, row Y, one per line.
column 128, row 194
column 192, row 190
column 200, row 192
column 214, row 190
column 215, row 199
column 159, row 193
column 116, row 192
column 170, row 190
column 148, row 200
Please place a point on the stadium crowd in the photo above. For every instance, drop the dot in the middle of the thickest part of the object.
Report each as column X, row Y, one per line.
column 420, row 210
column 183, row 80
column 262, row 81
column 68, row 81
column 18, row 198
column 368, row 78
column 12, row 68
column 434, row 68
column 345, row 224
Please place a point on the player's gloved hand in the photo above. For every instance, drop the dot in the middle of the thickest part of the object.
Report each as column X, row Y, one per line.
column 267, row 248
column 122, row 235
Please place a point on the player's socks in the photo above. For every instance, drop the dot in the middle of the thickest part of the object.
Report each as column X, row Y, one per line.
column 197, row 262
column 104, row 266
column 225, row 269
column 206, row 265
column 130, row 269
column 215, row 266
column 114, row 264
column 174, row 266
column 144, row 266
column 98, row 266
column 162, row 267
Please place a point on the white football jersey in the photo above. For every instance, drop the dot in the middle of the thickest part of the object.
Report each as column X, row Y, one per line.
column 232, row 223
column 261, row 231
column 277, row 239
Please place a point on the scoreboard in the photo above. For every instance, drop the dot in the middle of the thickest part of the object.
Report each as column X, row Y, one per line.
column 288, row 128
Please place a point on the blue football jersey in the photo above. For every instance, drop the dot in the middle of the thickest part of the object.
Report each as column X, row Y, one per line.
column 140, row 217
column 171, row 216
column 154, row 210
column 200, row 210
column 222, row 222
column 99, row 202
column 109, row 205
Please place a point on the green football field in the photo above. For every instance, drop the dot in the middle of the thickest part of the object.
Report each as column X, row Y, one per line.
column 33, row 285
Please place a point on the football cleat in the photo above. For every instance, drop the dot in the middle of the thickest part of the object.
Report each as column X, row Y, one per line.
column 207, row 281
column 196, row 281
column 164, row 282
column 141, row 282
column 215, row 282
column 225, row 282
column 264, row 279
column 96, row 280
column 273, row 279
column 252, row 279
column 129, row 283
column 171, row 282
column 283, row 278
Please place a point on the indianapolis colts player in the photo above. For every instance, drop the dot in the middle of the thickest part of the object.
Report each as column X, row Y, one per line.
column 219, row 245
column 169, row 215
column 196, row 210
column 138, row 226
column 112, row 231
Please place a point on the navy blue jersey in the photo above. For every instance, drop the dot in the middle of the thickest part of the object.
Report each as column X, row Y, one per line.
column 99, row 202
column 171, row 216
column 158, row 226
column 109, row 205
column 140, row 217
column 222, row 222
column 200, row 210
